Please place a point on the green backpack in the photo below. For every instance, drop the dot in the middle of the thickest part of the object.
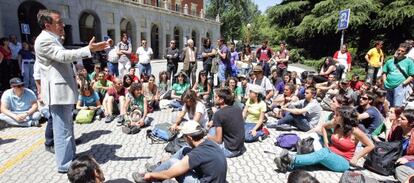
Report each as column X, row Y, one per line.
column 85, row 116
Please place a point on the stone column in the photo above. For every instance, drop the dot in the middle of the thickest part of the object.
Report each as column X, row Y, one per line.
column 186, row 9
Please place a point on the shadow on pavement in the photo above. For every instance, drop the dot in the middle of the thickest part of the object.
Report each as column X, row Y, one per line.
column 105, row 152
column 86, row 137
column 119, row 181
column 5, row 141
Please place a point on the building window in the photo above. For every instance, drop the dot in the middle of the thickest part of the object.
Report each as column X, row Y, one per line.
column 194, row 9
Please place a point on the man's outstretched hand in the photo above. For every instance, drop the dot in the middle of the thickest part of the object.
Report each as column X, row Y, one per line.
column 98, row 46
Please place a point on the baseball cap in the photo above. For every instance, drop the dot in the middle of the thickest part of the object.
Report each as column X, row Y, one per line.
column 15, row 81
column 190, row 127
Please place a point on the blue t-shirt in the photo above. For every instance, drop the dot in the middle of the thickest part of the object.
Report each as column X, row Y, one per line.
column 89, row 100
column 19, row 104
column 375, row 119
column 226, row 50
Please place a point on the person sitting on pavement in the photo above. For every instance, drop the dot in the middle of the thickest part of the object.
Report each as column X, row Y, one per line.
column 323, row 88
column 307, row 83
column 280, row 86
column 88, row 100
column 303, row 114
column 85, row 169
column 339, row 151
column 102, row 85
column 178, row 89
column 327, row 68
column 164, row 83
column 193, row 109
column 135, row 100
column 231, row 83
column 127, row 80
column 203, row 161
column 151, row 93
column 93, row 75
column 395, row 132
column 19, row 105
column 227, row 124
column 203, row 87
column 253, row 114
column 114, row 99
column 132, row 74
column 287, row 97
column 355, row 83
column 370, row 117
column 264, row 82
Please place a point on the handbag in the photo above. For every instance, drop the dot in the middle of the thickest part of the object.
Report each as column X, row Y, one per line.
column 175, row 145
column 85, row 116
column 382, row 159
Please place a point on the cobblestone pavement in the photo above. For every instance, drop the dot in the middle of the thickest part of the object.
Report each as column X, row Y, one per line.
column 23, row 158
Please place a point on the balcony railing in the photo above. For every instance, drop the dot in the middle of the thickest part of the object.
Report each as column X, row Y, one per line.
column 165, row 6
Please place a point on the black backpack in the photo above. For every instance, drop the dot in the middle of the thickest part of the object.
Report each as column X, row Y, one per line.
column 382, row 159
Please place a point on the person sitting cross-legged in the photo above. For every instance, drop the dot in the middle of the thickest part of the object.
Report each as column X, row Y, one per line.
column 114, row 100
column 339, row 152
column 203, row 161
column 88, row 100
column 228, row 124
column 303, row 114
column 19, row 105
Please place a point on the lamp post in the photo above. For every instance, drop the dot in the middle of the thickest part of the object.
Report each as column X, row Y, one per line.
column 248, row 33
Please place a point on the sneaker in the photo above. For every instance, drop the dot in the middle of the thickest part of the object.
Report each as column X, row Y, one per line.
column 36, row 123
column 119, row 119
column 284, row 161
column 50, row 149
column 151, row 167
column 109, row 119
column 97, row 118
column 138, row 177
column 266, row 131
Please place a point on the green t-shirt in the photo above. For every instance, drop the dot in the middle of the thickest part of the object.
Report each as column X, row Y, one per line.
column 138, row 101
column 394, row 76
column 180, row 88
column 102, row 91
column 238, row 91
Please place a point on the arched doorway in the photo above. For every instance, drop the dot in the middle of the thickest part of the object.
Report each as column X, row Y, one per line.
column 126, row 27
column 194, row 38
column 89, row 26
column 177, row 37
column 27, row 13
column 155, row 40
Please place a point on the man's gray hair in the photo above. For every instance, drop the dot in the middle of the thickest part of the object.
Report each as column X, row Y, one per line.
column 43, row 17
column 190, row 41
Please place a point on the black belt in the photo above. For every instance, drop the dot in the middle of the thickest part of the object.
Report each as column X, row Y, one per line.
column 28, row 62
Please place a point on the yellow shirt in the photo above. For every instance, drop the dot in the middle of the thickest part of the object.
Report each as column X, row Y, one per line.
column 375, row 57
column 254, row 110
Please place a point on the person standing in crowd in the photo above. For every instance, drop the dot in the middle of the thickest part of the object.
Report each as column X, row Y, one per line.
column 112, row 60
column 224, row 64
column 5, row 58
column 246, row 59
column 208, row 53
column 58, row 81
column 228, row 124
column 26, row 61
column 189, row 56
column 397, row 74
column 15, row 47
column 343, row 61
column 172, row 56
column 263, row 55
column 19, row 105
column 282, row 59
column 144, row 56
column 124, row 51
column 375, row 59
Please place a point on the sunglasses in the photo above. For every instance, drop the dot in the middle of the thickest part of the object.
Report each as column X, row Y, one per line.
column 364, row 98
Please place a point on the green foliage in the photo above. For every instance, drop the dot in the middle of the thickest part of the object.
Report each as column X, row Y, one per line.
column 316, row 64
column 297, row 55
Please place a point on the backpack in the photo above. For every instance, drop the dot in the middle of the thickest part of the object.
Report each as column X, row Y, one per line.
column 85, row 116
column 287, row 141
column 161, row 133
column 355, row 177
column 305, row 146
column 175, row 145
column 382, row 159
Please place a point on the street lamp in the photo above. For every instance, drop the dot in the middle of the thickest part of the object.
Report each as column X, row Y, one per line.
column 248, row 33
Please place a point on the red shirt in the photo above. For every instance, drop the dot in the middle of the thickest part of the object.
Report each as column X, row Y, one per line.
column 7, row 55
column 264, row 54
column 116, row 94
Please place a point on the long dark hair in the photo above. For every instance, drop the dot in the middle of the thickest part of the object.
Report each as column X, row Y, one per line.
column 205, row 84
column 327, row 65
column 126, row 76
column 162, row 73
column 349, row 118
column 135, row 86
column 192, row 97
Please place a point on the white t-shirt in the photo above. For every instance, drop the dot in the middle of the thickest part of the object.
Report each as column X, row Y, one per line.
column 199, row 108
column 410, row 54
column 144, row 55
column 342, row 59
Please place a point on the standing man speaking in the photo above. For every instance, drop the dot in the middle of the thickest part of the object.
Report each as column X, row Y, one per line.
column 58, row 86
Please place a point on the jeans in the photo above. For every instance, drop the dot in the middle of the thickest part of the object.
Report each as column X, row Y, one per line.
column 298, row 121
column 189, row 177
column 396, row 96
column 223, row 72
column 191, row 72
column 172, row 69
column 143, row 69
column 403, row 172
column 64, row 137
column 29, row 121
column 207, row 66
column 245, row 71
column 248, row 137
column 28, row 79
column 266, row 67
column 49, row 132
column 113, row 68
column 372, row 74
column 324, row 157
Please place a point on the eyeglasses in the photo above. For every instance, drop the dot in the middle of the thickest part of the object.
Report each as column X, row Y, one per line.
column 17, row 86
column 364, row 98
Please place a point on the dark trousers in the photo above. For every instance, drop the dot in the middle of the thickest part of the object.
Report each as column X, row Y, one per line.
column 298, row 121
column 14, row 68
column 191, row 72
column 207, row 66
column 49, row 132
column 266, row 68
column 172, row 69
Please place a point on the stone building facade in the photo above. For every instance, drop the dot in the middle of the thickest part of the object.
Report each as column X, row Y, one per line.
column 157, row 21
